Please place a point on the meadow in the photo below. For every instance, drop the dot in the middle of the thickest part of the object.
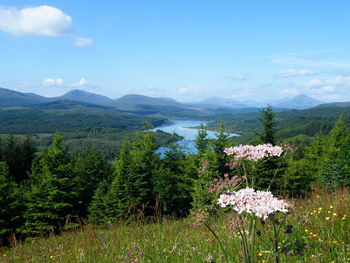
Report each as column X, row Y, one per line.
column 320, row 233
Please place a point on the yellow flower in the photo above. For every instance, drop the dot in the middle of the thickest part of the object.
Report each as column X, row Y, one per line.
column 327, row 218
column 329, row 212
column 306, row 230
column 320, row 208
column 335, row 214
column 334, row 242
column 331, row 206
column 52, row 256
column 314, row 235
column 5, row 255
column 260, row 254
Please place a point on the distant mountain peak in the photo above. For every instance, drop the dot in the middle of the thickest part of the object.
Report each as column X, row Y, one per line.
column 88, row 97
column 299, row 102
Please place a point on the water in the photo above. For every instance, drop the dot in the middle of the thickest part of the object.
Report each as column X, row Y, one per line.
column 185, row 128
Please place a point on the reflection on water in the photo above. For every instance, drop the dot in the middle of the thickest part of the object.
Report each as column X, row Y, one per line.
column 185, row 129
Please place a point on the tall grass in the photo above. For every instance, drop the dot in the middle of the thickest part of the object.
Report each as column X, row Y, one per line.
column 320, row 233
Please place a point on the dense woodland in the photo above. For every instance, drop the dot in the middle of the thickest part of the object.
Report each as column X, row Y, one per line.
column 57, row 189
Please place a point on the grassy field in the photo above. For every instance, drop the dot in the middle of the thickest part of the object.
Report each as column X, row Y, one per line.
column 321, row 233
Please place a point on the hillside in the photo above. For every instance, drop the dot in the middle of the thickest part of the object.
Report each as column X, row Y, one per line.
column 132, row 100
column 84, row 96
column 10, row 98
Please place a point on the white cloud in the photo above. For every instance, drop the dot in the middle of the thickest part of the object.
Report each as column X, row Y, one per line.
column 53, row 82
column 313, row 83
column 309, row 59
column 184, row 90
column 238, row 77
column 41, row 20
column 82, row 41
column 294, row 73
column 291, row 91
column 328, row 88
column 81, row 82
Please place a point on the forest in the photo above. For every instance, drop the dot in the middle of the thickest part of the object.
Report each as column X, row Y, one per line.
column 56, row 190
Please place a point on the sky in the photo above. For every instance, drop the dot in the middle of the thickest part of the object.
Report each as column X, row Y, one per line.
column 184, row 49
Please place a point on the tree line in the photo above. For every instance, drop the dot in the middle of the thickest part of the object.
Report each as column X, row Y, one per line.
column 56, row 190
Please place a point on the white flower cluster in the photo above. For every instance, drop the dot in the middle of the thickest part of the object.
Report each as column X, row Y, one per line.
column 254, row 153
column 259, row 203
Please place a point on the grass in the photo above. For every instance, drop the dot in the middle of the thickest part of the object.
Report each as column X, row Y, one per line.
column 321, row 233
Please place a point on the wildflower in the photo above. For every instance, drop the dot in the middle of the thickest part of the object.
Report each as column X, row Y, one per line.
column 254, row 153
column 259, row 203
column 327, row 218
column 335, row 214
column 331, row 206
column 320, row 208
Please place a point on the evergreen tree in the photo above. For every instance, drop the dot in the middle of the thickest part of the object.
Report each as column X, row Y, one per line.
column 91, row 168
column 335, row 161
column 173, row 184
column 131, row 191
column 270, row 171
column 220, row 160
column 268, row 131
column 53, row 192
column 120, row 199
column 201, row 140
column 18, row 155
column 9, row 204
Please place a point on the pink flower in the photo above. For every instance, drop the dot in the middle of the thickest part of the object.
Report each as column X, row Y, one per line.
column 258, row 203
column 254, row 153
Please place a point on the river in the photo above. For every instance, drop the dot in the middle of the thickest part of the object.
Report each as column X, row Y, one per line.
column 185, row 128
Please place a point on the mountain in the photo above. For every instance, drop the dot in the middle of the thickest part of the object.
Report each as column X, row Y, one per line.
column 298, row 102
column 10, row 98
column 223, row 102
column 133, row 100
column 334, row 105
column 84, row 96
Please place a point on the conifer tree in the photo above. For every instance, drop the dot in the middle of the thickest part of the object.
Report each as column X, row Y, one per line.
column 130, row 193
column 201, row 140
column 219, row 144
column 53, row 192
column 9, row 205
column 173, row 183
column 268, row 131
column 91, row 168
column 335, row 161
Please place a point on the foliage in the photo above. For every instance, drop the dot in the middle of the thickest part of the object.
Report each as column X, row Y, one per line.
column 9, row 204
column 53, row 193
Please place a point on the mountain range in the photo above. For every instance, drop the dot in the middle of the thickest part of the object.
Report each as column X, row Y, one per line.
column 134, row 102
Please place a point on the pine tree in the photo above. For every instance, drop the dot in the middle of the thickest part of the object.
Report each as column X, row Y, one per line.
column 53, row 192
column 131, row 191
column 220, row 158
column 335, row 161
column 9, row 204
column 268, row 131
column 173, row 183
column 91, row 168
column 201, row 140
column 270, row 170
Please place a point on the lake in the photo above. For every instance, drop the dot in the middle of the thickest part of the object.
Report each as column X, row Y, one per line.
column 185, row 128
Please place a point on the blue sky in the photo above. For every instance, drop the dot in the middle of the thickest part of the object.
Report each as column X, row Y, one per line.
column 184, row 49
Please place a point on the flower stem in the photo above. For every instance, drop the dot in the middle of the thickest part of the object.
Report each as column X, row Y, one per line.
column 217, row 238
